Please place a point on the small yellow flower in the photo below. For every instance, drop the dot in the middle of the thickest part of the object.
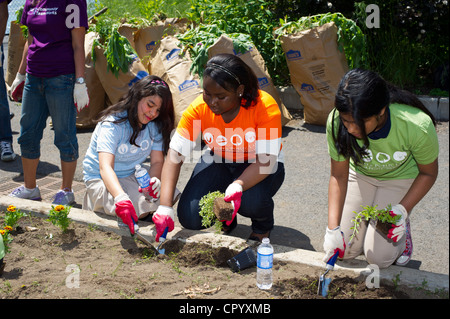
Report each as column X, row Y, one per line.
column 8, row 228
column 11, row 208
column 2, row 232
column 59, row 208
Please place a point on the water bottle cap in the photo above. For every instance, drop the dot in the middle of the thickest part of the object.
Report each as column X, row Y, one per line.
column 265, row 240
column 138, row 166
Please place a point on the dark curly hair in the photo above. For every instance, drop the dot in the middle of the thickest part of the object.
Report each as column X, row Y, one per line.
column 147, row 86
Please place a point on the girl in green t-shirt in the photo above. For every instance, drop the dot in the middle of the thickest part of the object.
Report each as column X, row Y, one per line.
column 384, row 150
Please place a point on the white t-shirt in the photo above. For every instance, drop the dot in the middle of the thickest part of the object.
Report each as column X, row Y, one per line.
column 115, row 139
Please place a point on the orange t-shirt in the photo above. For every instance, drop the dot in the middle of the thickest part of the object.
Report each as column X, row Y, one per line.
column 255, row 130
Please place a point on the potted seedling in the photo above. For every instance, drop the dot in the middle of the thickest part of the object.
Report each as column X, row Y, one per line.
column 214, row 210
column 384, row 219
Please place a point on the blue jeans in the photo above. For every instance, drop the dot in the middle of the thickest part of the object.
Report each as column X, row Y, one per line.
column 43, row 97
column 209, row 176
column 5, row 121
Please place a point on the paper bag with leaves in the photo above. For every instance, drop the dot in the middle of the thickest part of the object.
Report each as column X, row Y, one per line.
column 167, row 63
column 86, row 118
column 316, row 66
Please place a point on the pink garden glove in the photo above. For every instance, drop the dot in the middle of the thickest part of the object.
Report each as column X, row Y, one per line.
column 398, row 230
column 163, row 218
column 233, row 194
column 125, row 210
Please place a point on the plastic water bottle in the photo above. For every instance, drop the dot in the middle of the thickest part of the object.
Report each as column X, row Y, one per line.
column 143, row 179
column 142, row 176
column 264, row 265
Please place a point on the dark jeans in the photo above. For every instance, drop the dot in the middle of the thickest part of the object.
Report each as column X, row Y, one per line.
column 209, row 176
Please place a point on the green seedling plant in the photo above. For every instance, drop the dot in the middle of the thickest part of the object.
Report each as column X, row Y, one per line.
column 206, row 210
column 58, row 216
column 12, row 216
column 371, row 212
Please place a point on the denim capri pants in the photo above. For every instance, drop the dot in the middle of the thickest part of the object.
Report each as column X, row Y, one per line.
column 43, row 97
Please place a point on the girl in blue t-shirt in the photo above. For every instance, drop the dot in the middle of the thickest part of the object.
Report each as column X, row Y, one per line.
column 136, row 127
column 384, row 150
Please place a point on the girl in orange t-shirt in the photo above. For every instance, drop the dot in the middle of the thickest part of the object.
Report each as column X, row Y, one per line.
column 241, row 128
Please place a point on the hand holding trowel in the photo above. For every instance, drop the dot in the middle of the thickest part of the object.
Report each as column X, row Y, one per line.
column 334, row 246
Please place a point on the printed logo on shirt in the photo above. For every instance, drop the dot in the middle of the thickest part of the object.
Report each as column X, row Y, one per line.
column 125, row 148
column 43, row 11
column 384, row 161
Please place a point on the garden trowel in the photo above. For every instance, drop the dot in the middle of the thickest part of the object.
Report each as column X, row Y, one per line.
column 325, row 282
column 162, row 239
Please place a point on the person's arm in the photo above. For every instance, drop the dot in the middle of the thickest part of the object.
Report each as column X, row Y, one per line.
column 109, row 177
column 337, row 191
column 169, row 176
column 78, row 35
column 421, row 185
column 257, row 171
column 156, row 163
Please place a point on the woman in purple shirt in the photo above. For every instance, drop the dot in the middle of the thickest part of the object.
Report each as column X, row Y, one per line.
column 52, row 77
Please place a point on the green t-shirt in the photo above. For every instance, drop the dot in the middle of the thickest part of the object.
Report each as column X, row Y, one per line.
column 412, row 140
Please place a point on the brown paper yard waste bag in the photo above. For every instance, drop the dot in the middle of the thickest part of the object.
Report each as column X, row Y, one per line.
column 145, row 39
column 116, row 87
column 16, row 43
column 255, row 61
column 316, row 66
column 167, row 63
column 86, row 118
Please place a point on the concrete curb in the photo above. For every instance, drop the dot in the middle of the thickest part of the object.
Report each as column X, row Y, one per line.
column 407, row 276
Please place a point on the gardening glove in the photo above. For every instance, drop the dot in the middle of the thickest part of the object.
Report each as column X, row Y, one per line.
column 16, row 89
column 80, row 96
column 233, row 194
column 334, row 242
column 154, row 188
column 126, row 212
column 398, row 230
column 162, row 218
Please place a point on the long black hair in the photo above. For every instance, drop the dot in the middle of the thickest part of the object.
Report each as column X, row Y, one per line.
column 362, row 94
column 229, row 71
column 147, row 86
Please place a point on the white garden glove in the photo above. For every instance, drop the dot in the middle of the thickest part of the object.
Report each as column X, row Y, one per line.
column 80, row 96
column 154, row 188
column 398, row 230
column 16, row 89
column 333, row 242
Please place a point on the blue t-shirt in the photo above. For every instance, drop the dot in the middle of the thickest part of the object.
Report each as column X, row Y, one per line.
column 115, row 139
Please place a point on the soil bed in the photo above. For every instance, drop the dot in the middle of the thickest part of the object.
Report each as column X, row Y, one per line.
column 43, row 263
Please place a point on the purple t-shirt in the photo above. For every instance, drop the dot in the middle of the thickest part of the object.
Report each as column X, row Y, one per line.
column 50, row 23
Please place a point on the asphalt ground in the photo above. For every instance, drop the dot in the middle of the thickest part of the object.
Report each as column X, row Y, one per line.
column 301, row 202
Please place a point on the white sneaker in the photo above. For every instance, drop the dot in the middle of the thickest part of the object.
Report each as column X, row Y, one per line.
column 7, row 153
column 64, row 198
column 25, row 193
